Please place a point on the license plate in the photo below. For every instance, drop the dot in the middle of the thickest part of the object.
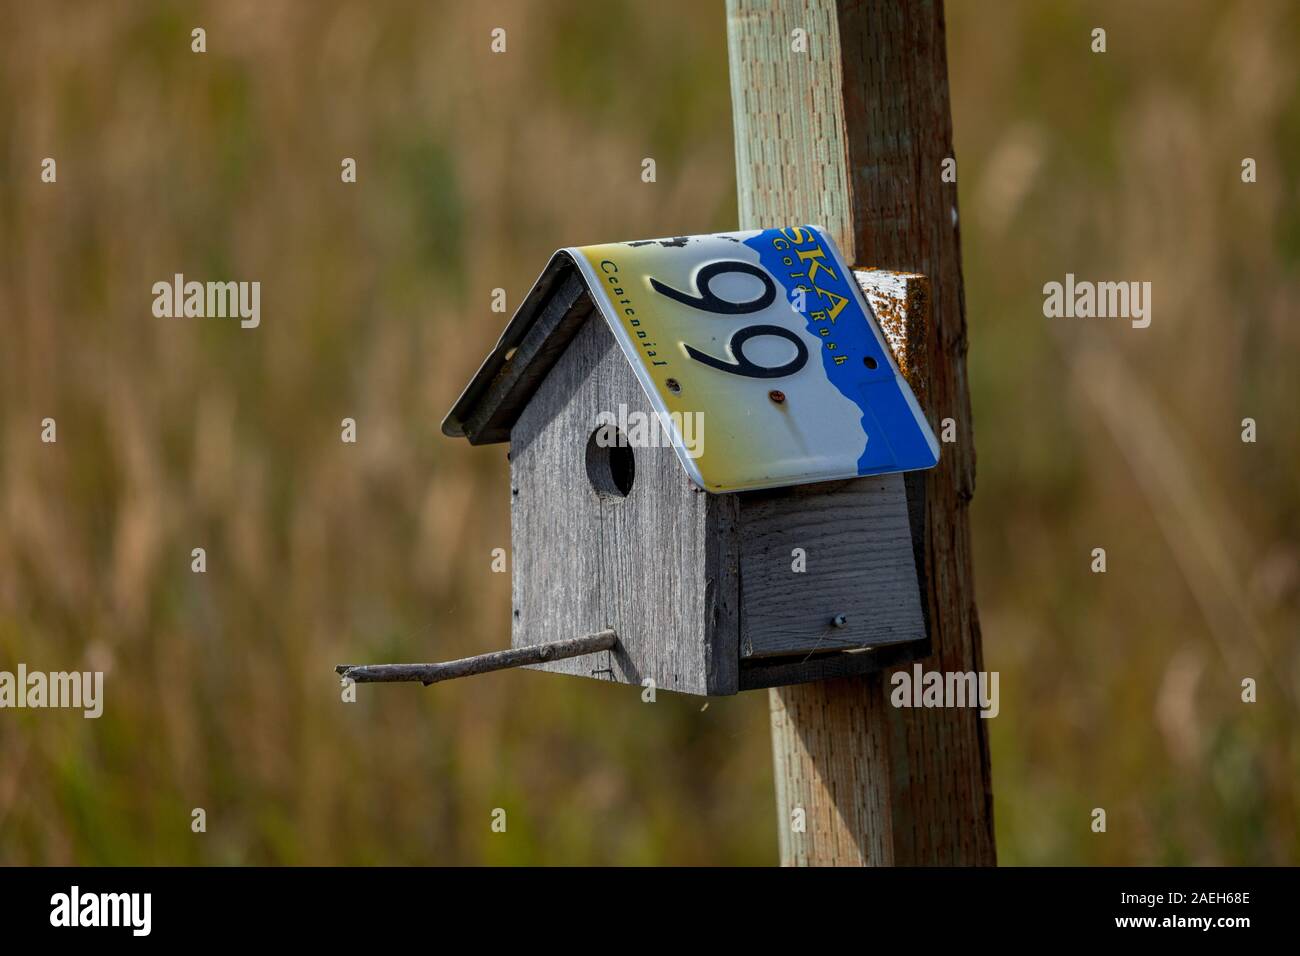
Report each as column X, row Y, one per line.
column 761, row 356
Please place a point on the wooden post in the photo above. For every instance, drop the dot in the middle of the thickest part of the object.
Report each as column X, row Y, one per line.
column 852, row 135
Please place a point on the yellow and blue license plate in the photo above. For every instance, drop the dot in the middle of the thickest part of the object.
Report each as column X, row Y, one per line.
column 761, row 356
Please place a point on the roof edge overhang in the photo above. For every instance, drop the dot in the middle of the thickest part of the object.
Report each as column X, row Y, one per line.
column 551, row 314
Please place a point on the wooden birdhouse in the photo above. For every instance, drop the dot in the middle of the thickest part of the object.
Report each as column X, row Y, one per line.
column 706, row 435
column 707, row 439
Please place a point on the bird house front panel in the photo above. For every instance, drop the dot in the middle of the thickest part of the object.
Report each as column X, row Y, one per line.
column 616, row 537
column 761, row 356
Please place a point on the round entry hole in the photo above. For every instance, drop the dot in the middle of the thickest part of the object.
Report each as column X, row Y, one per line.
column 611, row 466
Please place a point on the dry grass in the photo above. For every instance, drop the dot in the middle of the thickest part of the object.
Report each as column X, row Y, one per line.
column 1121, row 690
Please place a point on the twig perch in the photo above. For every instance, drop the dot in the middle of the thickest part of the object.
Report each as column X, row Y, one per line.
column 428, row 674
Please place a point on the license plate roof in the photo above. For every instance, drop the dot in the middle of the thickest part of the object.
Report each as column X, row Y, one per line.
column 761, row 356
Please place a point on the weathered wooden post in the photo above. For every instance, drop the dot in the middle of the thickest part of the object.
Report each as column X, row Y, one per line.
column 847, row 124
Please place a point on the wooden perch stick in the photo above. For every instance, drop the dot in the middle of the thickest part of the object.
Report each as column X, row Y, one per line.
column 428, row 674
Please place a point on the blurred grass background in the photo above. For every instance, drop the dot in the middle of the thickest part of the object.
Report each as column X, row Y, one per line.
column 1118, row 690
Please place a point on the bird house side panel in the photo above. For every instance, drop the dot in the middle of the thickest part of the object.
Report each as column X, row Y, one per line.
column 828, row 566
column 587, row 557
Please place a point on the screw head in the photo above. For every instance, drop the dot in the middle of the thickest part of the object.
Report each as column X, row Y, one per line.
column 840, row 620
column 776, row 395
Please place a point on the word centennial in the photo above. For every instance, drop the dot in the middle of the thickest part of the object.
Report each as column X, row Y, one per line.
column 214, row 300
column 76, row 689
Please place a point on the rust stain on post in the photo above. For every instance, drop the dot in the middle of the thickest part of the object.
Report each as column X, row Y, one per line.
column 901, row 302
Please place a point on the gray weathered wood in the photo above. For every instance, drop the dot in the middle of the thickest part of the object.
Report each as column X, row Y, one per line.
column 852, row 135
column 860, row 565
column 555, row 578
column 540, row 346
column 428, row 674
column 722, row 599
column 656, row 566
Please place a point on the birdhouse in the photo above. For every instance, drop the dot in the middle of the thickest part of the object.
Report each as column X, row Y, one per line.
column 706, row 435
